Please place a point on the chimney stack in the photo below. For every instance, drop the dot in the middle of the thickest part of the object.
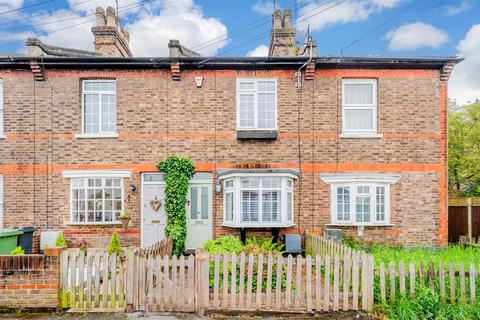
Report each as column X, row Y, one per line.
column 111, row 40
column 282, row 37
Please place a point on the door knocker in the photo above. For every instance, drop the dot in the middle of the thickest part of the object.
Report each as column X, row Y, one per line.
column 155, row 204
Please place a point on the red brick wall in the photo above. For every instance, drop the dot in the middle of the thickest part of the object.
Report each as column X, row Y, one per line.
column 157, row 117
column 30, row 288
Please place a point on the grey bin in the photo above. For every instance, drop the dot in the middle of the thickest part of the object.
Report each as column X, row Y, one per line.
column 25, row 240
column 293, row 243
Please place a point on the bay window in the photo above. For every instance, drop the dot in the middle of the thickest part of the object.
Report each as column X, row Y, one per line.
column 258, row 200
column 360, row 199
column 96, row 197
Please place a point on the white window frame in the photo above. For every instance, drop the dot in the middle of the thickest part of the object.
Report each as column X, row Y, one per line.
column 96, row 174
column 353, row 181
column 255, row 102
column 2, row 115
column 237, row 189
column 367, row 132
column 105, row 134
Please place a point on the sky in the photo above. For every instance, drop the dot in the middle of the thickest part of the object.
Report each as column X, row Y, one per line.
column 242, row 27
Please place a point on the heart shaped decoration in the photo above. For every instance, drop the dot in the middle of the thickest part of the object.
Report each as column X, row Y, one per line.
column 155, row 204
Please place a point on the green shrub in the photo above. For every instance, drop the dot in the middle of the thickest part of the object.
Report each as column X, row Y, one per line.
column 18, row 251
column 114, row 245
column 224, row 244
column 265, row 246
column 60, row 241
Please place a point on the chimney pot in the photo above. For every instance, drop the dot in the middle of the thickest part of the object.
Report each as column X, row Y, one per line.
column 287, row 18
column 111, row 18
column 100, row 14
column 277, row 19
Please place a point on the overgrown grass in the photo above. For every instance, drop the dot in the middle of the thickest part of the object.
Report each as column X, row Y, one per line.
column 427, row 303
column 452, row 254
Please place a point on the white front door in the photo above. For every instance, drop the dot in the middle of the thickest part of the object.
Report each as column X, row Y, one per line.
column 199, row 215
column 154, row 219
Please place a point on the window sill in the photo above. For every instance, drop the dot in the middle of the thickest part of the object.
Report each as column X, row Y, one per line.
column 258, row 225
column 243, row 134
column 114, row 223
column 361, row 135
column 359, row 225
column 96, row 136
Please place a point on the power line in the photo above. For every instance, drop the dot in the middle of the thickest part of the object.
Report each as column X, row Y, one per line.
column 379, row 26
column 87, row 21
column 305, row 17
column 66, row 19
column 43, row 13
column 264, row 34
column 28, row 6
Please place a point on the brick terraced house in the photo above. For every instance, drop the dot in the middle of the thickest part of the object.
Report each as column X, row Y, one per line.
column 290, row 142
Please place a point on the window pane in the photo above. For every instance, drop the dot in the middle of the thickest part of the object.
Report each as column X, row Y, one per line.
column 204, row 211
column 358, row 93
column 245, row 85
column 91, row 113
column 108, row 113
column 99, row 204
column 229, row 184
column 270, row 206
column 362, row 208
column 359, row 119
column 343, row 203
column 247, row 110
column 229, row 206
column 271, row 183
column 266, row 85
column 266, row 110
column 193, row 202
column 249, row 206
column 289, row 206
column 380, row 197
column 250, row 182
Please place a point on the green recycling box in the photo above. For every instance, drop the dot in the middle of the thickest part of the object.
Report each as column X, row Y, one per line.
column 8, row 240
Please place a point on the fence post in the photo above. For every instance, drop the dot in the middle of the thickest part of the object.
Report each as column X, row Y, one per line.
column 200, row 273
column 469, row 216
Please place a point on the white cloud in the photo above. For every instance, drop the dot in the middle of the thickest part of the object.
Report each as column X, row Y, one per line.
column 414, row 36
column 8, row 5
column 345, row 12
column 264, row 7
column 453, row 10
column 181, row 20
column 151, row 26
column 464, row 84
column 260, row 51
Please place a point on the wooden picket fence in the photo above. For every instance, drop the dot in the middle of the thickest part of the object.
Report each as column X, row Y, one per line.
column 453, row 282
column 316, row 244
column 160, row 248
column 92, row 280
column 230, row 282
column 146, row 280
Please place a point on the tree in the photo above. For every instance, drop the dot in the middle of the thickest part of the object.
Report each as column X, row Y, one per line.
column 464, row 149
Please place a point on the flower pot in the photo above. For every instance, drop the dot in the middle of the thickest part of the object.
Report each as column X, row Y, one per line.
column 53, row 251
column 125, row 221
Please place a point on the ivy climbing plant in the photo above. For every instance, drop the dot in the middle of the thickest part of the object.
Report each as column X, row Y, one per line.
column 178, row 170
